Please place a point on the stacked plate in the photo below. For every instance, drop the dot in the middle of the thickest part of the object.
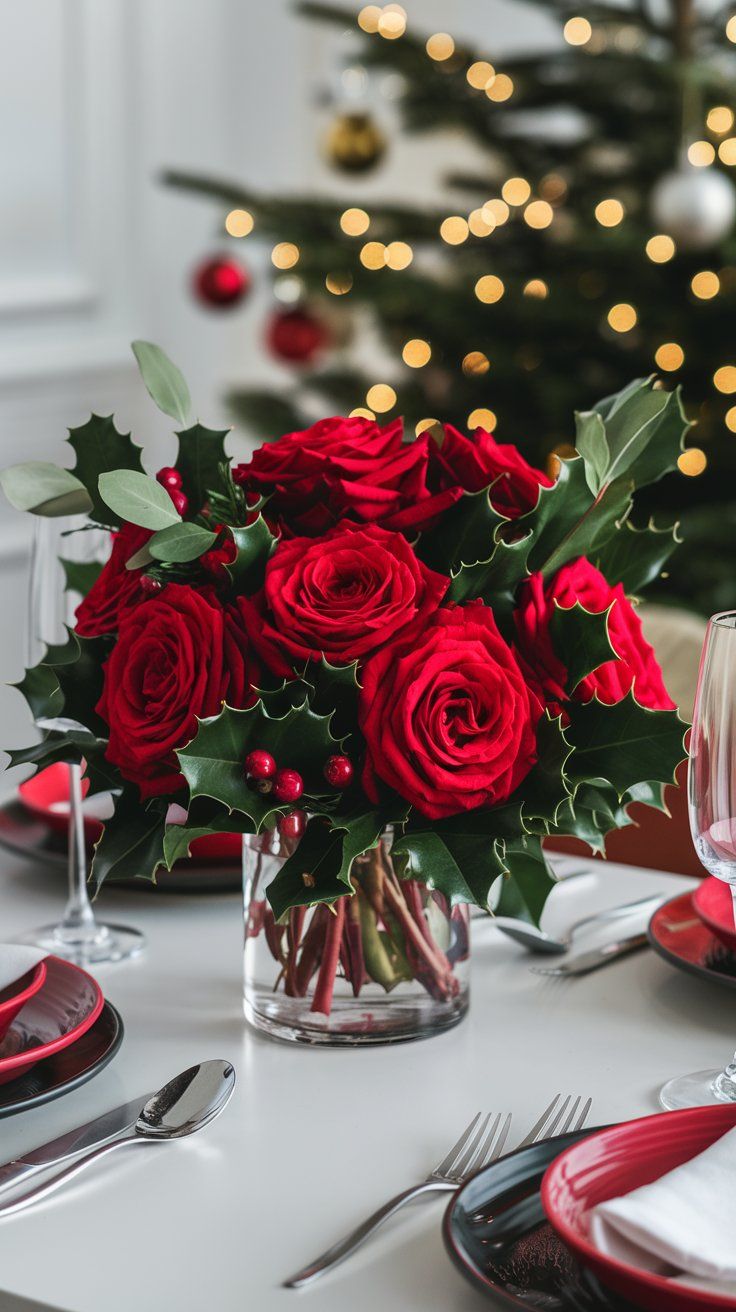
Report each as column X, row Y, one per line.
column 56, row 1032
column 695, row 932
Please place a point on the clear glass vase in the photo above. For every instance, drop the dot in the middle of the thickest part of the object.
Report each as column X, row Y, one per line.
column 385, row 964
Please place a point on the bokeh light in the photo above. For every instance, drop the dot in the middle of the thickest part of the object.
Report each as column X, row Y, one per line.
column 354, row 222
column 489, row 289
column 380, row 397
column 416, row 353
column 239, row 223
column 622, row 317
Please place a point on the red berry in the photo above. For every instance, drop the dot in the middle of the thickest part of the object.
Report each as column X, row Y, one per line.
column 292, row 825
column 259, row 765
column 169, row 477
column 288, row 786
column 150, row 585
column 338, row 771
column 180, row 501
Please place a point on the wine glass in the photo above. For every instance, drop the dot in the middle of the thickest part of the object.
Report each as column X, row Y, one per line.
column 712, row 807
column 79, row 936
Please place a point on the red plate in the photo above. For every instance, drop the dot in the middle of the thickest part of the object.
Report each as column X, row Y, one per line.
column 47, row 795
column 613, row 1162
column 17, row 994
column 714, row 904
column 678, row 934
column 54, row 1018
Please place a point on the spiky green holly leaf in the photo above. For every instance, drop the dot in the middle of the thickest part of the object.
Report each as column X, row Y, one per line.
column 320, row 869
column 645, row 431
column 545, row 789
column 132, row 842
column 591, row 813
column 465, row 535
column 568, row 521
column 254, row 542
column 99, row 448
column 135, row 497
column 581, row 640
column 164, row 382
column 204, row 819
column 212, row 763
column 461, row 856
column 528, row 880
column 336, row 688
column 179, row 543
column 625, row 744
column 44, row 489
column 67, row 682
column 73, row 746
column 495, row 580
column 636, row 557
column 201, row 455
column 80, row 575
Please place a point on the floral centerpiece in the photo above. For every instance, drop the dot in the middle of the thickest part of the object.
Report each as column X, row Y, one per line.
column 398, row 665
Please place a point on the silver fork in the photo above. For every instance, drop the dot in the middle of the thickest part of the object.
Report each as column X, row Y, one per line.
column 483, row 1141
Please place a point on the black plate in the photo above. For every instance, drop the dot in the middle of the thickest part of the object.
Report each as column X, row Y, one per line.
column 27, row 835
column 496, row 1233
column 67, row 1069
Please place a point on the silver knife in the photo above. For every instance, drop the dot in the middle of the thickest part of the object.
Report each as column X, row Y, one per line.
column 90, row 1135
column 584, row 962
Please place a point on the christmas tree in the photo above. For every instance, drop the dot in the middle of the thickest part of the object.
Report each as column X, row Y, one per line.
column 576, row 260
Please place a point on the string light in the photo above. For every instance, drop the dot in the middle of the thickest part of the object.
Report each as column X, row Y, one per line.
column 731, row 28
column 609, row 212
column 481, row 222
column 498, row 209
column 399, row 255
column 339, row 283
column 416, row 353
column 731, row 419
column 360, row 412
column 724, row 379
column 692, row 462
column 480, row 74
column 475, row 364
column 727, row 151
column 354, row 222
column 285, row 255
column 369, row 18
column 454, row 230
column 701, row 153
column 622, row 317
column 239, row 223
column 373, row 255
column 500, row 88
column 489, row 289
column 660, row 249
column 516, row 191
column 705, row 285
column 538, row 214
column 392, row 23
column 482, row 418
column 536, row 287
column 720, row 119
column 432, row 426
column 577, row 31
column 669, row 356
column 440, row 46
column 380, row 397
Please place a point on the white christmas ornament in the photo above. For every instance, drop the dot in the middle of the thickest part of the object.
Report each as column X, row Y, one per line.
column 696, row 206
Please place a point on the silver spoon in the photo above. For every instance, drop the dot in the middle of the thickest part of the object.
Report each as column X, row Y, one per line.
column 537, row 941
column 183, row 1106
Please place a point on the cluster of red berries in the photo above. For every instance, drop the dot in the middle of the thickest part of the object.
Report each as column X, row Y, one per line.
column 286, row 785
column 171, row 479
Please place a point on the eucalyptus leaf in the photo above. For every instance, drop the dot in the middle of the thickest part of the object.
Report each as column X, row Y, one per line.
column 138, row 499
column 44, row 489
column 165, row 383
column 590, row 441
column 180, row 543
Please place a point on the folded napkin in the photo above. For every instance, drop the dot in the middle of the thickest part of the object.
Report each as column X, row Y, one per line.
column 16, row 959
column 682, row 1225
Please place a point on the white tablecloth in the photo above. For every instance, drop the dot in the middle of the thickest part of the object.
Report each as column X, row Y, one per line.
column 315, row 1139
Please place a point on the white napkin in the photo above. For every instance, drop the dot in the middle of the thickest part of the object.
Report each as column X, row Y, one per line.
column 682, row 1225
column 16, row 960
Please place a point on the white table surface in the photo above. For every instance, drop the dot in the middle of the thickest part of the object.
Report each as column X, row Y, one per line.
column 315, row 1139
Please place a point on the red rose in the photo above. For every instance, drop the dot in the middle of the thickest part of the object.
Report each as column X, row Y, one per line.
column 477, row 462
column 344, row 469
column 448, row 720
column 341, row 596
column 177, row 658
column 636, row 666
column 115, row 588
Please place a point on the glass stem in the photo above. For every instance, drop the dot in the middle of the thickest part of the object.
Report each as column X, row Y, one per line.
column 79, row 920
column 724, row 1085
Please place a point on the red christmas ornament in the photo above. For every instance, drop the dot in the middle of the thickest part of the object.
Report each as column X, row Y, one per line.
column 259, row 764
column 288, row 786
column 169, row 478
column 220, row 282
column 338, row 771
column 150, row 585
column 293, row 824
column 296, row 336
column 180, row 501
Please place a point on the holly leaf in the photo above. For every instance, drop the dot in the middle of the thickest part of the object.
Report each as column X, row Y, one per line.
column 44, row 489
column 581, row 640
column 201, row 453
column 634, row 557
column 80, row 575
column 528, row 878
column 255, row 543
column 212, row 763
column 624, row 744
column 99, row 448
column 69, row 746
column 135, row 497
column 319, row 870
column 178, row 543
column 545, row 789
column 465, row 535
column 494, row 580
column 335, row 688
column 568, row 521
column 201, row 822
column 132, row 842
column 164, row 383
column 461, row 856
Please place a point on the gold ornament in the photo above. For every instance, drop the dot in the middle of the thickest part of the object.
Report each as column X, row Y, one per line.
column 355, row 143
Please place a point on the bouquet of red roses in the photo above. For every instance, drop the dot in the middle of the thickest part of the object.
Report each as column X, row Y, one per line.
column 352, row 634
